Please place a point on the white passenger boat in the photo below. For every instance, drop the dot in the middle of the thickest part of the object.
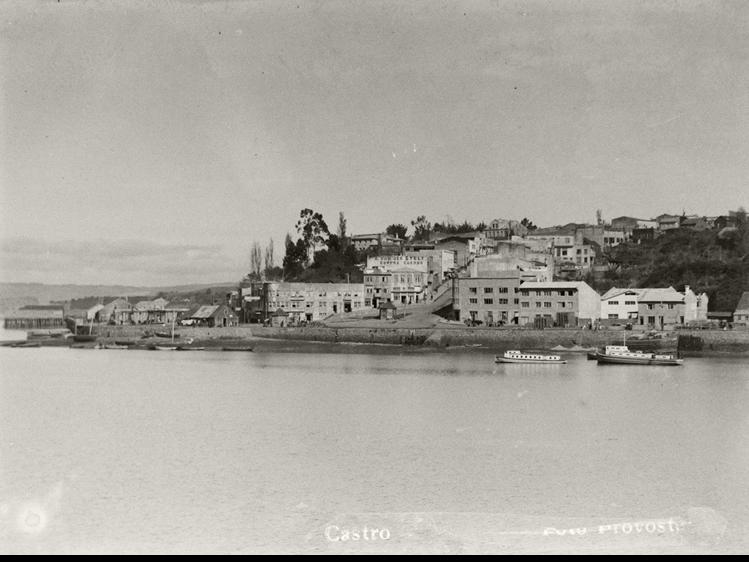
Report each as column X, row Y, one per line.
column 524, row 357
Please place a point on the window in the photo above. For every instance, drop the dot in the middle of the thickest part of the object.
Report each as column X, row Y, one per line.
column 488, row 301
column 650, row 307
column 524, row 292
column 473, row 300
column 516, row 301
column 562, row 304
column 504, row 290
column 670, row 306
column 502, row 301
column 630, row 303
column 547, row 304
column 538, row 305
column 547, row 293
column 613, row 316
column 488, row 289
column 613, row 302
column 472, row 290
column 525, row 304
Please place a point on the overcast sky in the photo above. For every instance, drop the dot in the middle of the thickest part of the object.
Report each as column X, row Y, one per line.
column 152, row 143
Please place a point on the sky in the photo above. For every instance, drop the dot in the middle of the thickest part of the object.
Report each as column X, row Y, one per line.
column 151, row 143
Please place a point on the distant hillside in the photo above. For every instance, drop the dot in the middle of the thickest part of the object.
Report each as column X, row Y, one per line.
column 40, row 293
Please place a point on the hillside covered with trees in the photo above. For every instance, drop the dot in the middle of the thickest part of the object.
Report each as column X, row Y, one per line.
column 716, row 263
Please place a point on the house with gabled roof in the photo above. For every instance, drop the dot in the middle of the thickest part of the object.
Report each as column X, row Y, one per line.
column 215, row 316
column 741, row 314
column 619, row 304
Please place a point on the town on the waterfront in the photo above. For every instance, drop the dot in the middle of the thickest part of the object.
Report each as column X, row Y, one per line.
column 672, row 272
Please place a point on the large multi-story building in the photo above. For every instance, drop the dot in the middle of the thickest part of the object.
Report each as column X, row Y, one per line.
column 509, row 299
column 404, row 285
column 491, row 300
column 401, row 279
column 558, row 303
column 302, row 302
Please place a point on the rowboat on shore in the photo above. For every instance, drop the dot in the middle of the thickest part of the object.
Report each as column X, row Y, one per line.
column 26, row 344
column 163, row 347
column 236, row 348
column 524, row 357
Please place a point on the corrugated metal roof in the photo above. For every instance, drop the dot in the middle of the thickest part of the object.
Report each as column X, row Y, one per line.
column 205, row 311
column 553, row 284
column 661, row 295
column 616, row 291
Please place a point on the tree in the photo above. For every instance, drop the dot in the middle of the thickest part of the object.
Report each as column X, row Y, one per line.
column 397, row 230
column 256, row 261
column 295, row 259
column 313, row 231
column 342, row 228
column 270, row 261
column 422, row 228
column 528, row 224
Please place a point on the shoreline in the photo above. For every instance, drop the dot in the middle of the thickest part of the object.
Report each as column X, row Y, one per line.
column 690, row 343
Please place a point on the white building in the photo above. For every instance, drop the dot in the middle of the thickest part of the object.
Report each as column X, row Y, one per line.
column 619, row 304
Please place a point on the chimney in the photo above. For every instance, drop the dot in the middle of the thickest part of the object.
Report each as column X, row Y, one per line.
column 686, row 289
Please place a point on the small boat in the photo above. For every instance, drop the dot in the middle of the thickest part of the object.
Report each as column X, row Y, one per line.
column 165, row 347
column 166, row 335
column 593, row 355
column 189, row 348
column 26, row 344
column 236, row 349
column 115, row 346
column 83, row 338
column 126, row 343
column 524, row 357
column 621, row 355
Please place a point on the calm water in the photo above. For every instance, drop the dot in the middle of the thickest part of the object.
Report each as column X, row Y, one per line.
column 138, row 451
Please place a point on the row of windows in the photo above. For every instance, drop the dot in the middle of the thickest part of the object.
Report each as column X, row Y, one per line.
column 549, row 304
column 310, row 304
column 626, row 303
column 547, row 293
column 525, row 292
